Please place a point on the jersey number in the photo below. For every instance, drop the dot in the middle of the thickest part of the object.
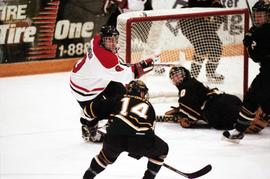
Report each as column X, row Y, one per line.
column 139, row 109
column 79, row 65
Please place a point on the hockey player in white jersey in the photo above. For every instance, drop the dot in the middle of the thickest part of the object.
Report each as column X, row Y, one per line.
column 100, row 75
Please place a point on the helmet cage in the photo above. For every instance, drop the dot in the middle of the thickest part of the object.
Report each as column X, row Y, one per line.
column 110, row 43
column 109, row 37
column 261, row 12
column 177, row 75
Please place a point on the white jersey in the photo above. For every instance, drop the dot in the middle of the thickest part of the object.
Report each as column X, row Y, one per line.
column 91, row 75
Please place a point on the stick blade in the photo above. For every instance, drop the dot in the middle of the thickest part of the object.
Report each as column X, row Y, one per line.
column 200, row 172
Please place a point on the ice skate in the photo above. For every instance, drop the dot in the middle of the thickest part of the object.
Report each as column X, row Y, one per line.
column 233, row 136
column 215, row 77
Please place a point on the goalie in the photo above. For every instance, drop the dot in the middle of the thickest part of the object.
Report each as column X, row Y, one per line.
column 199, row 104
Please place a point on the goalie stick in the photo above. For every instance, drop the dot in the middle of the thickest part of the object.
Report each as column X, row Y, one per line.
column 157, row 63
column 165, row 64
column 195, row 174
column 165, row 118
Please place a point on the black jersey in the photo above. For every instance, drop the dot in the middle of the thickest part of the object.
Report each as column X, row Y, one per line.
column 257, row 40
column 128, row 115
column 192, row 97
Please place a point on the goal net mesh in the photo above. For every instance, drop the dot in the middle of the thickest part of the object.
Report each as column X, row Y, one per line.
column 207, row 41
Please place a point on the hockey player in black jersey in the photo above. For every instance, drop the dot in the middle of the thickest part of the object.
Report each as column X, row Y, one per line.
column 131, row 129
column 257, row 98
column 198, row 103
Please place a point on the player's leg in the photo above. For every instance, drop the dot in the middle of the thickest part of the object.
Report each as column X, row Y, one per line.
column 215, row 51
column 222, row 112
column 156, row 158
column 89, row 129
column 196, row 65
column 113, row 89
column 252, row 100
column 152, row 147
column 89, row 125
column 112, row 148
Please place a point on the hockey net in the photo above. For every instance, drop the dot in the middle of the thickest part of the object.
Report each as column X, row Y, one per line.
column 171, row 35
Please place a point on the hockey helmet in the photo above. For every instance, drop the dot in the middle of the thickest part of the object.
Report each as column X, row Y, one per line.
column 135, row 87
column 178, row 74
column 109, row 37
column 108, row 31
column 261, row 12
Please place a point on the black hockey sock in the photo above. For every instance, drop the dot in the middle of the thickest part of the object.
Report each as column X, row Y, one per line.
column 152, row 170
column 93, row 170
column 242, row 124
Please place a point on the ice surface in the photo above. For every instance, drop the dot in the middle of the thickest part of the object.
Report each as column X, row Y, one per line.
column 40, row 138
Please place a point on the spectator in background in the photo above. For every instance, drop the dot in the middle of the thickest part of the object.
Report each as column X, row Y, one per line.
column 116, row 7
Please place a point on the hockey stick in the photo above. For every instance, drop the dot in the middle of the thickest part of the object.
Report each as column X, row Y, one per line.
column 157, row 63
column 195, row 174
column 165, row 118
column 164, row 64
column 250, row 13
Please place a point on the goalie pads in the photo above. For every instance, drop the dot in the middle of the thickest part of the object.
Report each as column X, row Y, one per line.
column 259, row 123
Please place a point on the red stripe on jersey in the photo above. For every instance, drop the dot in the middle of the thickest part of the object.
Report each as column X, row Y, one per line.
column 105, row 57
column 85, row 90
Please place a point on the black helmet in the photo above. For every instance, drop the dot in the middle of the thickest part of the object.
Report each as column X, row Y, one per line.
column 135, row 87
column 108, row 31
column 261, row 5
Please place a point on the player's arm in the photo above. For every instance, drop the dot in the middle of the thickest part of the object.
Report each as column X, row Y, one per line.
column 100, row 108
column 142, row 67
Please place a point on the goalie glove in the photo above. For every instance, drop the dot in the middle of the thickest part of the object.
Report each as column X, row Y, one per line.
column 143, row 67
column 259, row 123
column 185, row 122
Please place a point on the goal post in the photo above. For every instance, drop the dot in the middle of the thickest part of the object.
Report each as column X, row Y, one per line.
column 187, row 35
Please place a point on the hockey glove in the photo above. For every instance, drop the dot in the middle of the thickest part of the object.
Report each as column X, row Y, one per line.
column 247, row 40
column 143, row 67
column 259, row 123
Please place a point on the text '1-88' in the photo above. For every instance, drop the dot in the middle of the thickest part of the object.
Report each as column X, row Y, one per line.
column 73, row 49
